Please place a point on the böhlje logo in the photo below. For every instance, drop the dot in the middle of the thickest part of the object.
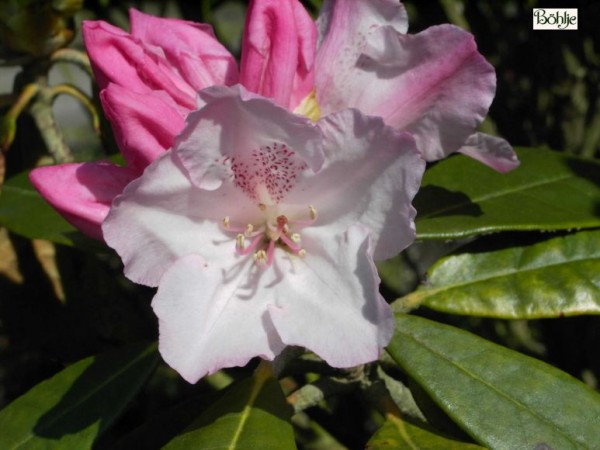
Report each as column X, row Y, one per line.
column 555, row 18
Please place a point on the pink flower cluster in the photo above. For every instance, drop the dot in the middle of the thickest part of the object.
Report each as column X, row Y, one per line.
column 257, row 198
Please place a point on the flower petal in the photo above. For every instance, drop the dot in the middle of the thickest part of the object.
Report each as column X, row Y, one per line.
column 491, row 151
column 232, row 123
column 344, row 28
column 162, row 217
column 113, row 54
column 82, row 193
column 145, row 125
column 191, row 48
column 330, row 303
column 433, row 84
column 278, row 50
column 120, row 58
column 209, row 319
column 370, row 175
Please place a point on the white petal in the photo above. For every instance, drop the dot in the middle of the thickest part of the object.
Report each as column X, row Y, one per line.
column 491, row 151
column 231, row 123
column 162, row 216
column 370, row 175
column 209, row 318
column 329, row 301
column 344, row 29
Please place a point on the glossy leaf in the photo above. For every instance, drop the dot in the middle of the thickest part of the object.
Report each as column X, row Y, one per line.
column 501, row 398
column 398, row 434
column 251, row 414
column 71, row 409
column 554, row 278
column 460, row 197
column 25, row 212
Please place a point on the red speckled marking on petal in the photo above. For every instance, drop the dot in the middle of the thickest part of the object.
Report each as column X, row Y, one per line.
column 273, row 166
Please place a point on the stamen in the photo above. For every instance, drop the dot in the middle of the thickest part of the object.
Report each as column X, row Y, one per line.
column 226, row 222
column 302, row 253
column 246, row 251
column 260, row 256
column 239, row 241
column 249, row 230
column 312, row 214
column 296, row 238
column 287, row 241
column 270, row 253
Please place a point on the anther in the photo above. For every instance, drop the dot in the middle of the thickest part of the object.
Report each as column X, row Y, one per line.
column 301, row 253
column 312, row 212
column 249, row 230
column 295, row 238
column 240, row 241
column 226, row 222
column 260, row 256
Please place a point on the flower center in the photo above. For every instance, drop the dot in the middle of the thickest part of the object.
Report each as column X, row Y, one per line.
column 263, row 238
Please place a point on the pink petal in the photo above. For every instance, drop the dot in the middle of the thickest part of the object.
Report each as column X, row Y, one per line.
column 370, row 175
column 114, row 55
column 145, row 125
column 491, row 151
column 209, row 319
column 278, row 49
column 162, row 217
column 82, row 193
column 330, row 302
column 344, row 29
column 434, row 84
column 191, row 48
column 120, row 58
column 230, row 125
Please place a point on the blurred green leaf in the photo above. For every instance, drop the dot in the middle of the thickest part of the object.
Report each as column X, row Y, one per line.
column 555, row 278
column 398, row 434
column 71, row 409
column 503, row 399
column 251, row 414
column 460, row 197
column 25, row 212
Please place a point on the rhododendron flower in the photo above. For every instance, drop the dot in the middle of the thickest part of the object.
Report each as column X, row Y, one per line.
column 433, row 84
column 260, row 228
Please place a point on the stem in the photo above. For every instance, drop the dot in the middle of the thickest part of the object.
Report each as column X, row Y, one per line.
column 78, row 94
column 9, row 121
column 41, row 111
column 69, row 55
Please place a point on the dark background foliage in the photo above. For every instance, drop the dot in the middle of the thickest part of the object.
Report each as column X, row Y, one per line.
column 548, row 95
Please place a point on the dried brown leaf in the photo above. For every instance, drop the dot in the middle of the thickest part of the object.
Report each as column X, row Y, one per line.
column 45, row 252
column 9, row 262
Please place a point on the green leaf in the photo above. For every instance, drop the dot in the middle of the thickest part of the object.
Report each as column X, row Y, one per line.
column 398, row 434
column 251, row 414
column 460, row 197
column 71, row 409
column 501, row 398
column 25, row 212
column 554, row 278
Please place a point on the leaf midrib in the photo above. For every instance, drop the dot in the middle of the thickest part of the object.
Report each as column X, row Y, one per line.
column 494, row 389
column 491, row 196
column 503, row 274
